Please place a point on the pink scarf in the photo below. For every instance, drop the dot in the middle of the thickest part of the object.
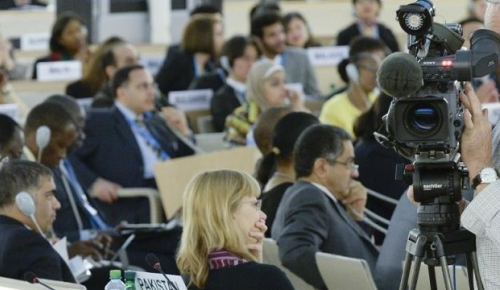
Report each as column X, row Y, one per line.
column 221, row 258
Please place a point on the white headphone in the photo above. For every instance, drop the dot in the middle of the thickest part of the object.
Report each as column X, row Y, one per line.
column 26, row 205
column 352, row 73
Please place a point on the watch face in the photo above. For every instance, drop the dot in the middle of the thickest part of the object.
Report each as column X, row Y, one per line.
column 488, row 175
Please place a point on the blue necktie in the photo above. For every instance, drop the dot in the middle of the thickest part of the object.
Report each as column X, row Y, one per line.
column 151, row 141
column 95, row 220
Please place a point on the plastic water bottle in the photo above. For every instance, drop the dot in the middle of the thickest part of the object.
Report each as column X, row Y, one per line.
column 129, row 280
column 115, row 281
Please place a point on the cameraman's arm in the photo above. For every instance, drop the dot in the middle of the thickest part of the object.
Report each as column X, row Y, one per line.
column 482, row 215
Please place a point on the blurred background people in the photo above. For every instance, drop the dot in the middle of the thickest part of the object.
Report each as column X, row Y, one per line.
column 201, row 44
column 67, row 41
column 237, row 57
column 298, row 32
column 265, row 89
column 11, row 138
column 364, row 59
column 366, row 13
column 276, row 171
column 221, row 245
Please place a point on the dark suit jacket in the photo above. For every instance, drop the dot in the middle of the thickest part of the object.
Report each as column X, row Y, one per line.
column 23, row 250
column 222, row 105
column 213, row 80
column 177, row 71
column 78, row 90
column 308, row 221
column 345, row 36
column 110, row 151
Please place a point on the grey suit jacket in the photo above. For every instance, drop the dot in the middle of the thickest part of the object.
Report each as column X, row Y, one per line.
column 298, row 69
column 307, row 222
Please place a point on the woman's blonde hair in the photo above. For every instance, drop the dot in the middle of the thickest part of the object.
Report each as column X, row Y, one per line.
column 209, row 202
column 260, row 72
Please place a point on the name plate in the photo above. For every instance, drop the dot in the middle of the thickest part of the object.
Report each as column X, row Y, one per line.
column 152, row 63
column 493, row 112
column 34, row 41
column 327, row 56
column 145, row 280
column 11, row 110
column 192, row 100
column 59, row 71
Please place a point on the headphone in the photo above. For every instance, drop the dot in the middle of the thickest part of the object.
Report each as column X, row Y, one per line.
column 352, row 73
column 26, row 205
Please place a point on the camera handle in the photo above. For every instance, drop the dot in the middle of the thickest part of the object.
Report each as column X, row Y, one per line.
column 430, row 248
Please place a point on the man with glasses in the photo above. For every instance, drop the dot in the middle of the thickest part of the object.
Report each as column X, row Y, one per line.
column 124, row 143
column 321, row 212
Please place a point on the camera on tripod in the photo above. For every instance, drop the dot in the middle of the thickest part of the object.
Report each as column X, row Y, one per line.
column 427, row 124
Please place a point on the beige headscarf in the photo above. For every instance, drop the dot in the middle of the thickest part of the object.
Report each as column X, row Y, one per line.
column 259, row 73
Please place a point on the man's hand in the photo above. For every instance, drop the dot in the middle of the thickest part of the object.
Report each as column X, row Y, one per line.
column 476, row 138
column 177, row 118
column 105, row 190
column 257, row 237
column 85, row 249
column 355, row 199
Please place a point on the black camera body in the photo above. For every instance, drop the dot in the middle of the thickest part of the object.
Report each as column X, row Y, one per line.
column 426, row 126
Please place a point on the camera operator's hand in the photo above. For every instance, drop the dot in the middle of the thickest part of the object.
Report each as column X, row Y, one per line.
column 476, row 138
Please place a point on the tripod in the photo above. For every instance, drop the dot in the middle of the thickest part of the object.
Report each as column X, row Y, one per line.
column 433, row 248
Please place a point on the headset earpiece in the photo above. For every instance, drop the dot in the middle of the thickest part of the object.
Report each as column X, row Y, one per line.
column 352, row 73
column 25, row 203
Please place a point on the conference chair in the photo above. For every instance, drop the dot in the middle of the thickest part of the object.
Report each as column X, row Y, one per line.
column 339, row 272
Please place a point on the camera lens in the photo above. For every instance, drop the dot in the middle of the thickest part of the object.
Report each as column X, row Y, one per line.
column 423, row 119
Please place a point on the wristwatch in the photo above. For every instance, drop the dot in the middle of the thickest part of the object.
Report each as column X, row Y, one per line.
column 486, row 175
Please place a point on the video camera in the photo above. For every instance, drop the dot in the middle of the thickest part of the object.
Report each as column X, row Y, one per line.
column 426, row 124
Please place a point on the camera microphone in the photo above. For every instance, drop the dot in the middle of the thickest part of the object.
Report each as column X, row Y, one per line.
column 154, row 262
column 400, row 75
column 31, row 277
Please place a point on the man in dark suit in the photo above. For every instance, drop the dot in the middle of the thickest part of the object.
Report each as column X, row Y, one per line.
column 22, row 247
column 311, row 217
column 270, row 35
column 124, row 143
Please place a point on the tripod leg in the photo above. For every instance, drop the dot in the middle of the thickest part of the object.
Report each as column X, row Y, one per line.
column 439, row 248
column 406, row 272
column 414, row 278
column 470, row 273
column 432, row 277
column 475, row 266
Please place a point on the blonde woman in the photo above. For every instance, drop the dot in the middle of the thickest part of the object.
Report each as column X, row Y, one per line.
column 221, row 244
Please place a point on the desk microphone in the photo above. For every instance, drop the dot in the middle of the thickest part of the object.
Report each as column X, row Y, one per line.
column 154, row 262
column 31, row 277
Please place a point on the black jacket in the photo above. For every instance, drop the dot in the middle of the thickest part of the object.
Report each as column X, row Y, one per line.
column 345, row 36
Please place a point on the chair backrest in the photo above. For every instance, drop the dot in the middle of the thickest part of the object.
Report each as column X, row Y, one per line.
column 172, row 176
column 271, row 256
column 205, row 124
column 339, row 272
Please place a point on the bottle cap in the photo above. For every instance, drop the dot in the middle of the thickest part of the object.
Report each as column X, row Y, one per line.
column 129, row 275
column 115, row 274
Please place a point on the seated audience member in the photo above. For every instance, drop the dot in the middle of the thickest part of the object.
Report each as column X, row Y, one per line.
column 377, row 163
column 22, row 247
column 343, row 109
column 11, row 138
column 79, row 218
column 275, row 172
column 67, row 41
column 264, row 127
column 238, row 55
column 270, row 36
column 95, row 77
column 367, row 24
column 201, row 44
column 265, row 89
column 298, row 32
column 123, row 144
column 221, row 245
column 311, row 217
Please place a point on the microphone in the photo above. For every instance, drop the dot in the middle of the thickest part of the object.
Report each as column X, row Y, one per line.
column 42, row 140
column 31, row 277
column 154, row 262
column 400, row 75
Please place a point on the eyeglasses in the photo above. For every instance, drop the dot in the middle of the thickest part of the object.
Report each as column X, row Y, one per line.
column 349, row 165
column 257, row 203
